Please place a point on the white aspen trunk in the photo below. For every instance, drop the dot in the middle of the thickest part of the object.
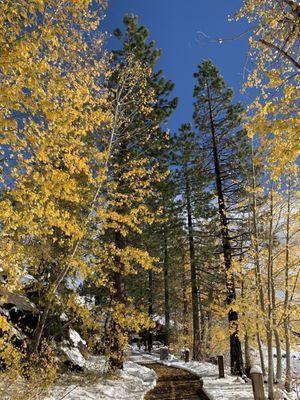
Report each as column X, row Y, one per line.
column 270, row 311
column 279, row 355
column 257, row 263
column 287, row 383
column 261, row 353
column 247, row 353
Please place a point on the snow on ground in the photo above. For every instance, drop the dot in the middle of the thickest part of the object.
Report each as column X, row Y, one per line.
column 131, row 384
column 295, row 360
column 228, row 388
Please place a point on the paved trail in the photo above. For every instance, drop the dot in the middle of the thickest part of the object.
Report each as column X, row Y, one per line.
column 175, row 384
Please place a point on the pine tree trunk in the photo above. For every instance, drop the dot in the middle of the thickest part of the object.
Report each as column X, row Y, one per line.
column 185, row 305
column 203, row 331
column 236, row 356
column 195, row 299
column 150, row 310
column 209, row 324
column 117, row 332
column 166, row 287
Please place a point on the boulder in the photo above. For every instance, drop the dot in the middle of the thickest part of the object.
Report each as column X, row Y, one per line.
column 72, row 358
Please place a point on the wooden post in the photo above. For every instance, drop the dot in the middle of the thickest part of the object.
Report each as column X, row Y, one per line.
column 257, row 383
column 221, row 366
column 186, row 355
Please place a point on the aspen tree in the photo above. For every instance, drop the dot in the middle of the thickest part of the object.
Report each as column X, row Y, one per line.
column 273, row 115
column 286, row 294
column 53, row 100
column 270, row 310
column 274, row 50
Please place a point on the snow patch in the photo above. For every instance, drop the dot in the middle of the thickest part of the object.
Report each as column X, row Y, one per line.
column 63, row 317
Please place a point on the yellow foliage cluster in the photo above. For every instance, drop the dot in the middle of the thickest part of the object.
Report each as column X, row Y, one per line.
column 52, row 93
column 52, row 102
column 273, row 47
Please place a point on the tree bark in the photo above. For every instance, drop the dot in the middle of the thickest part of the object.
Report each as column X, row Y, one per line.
column 166, row 286
column 279, row 355
column 117, row 334
column 276, row 334
column 209, row 324
column 247, row 353
column 116, row 350
column 281, row 51
column 286, row 321
column 246, row 337
column 203, row 331
column 270, row 310
column 195, row 299
column 261, row 353
column 185, row 305
column 150, row 309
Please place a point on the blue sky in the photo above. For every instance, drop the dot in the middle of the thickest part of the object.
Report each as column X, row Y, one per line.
column 174, row 25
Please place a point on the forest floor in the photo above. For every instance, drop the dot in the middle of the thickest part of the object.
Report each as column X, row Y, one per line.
column 146, row 377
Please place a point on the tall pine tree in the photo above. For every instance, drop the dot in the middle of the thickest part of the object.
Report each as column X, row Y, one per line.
column 218, row 121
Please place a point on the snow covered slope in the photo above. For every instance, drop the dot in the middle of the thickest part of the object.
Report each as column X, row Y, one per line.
column 132, row 384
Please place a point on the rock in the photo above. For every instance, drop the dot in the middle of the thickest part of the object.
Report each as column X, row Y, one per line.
column 20, row 301
column 75, row 338
column 239, row 380
column 73, row 358
column 73, row 351
column 78, row 342
column 246, row 378
column 164, row 353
